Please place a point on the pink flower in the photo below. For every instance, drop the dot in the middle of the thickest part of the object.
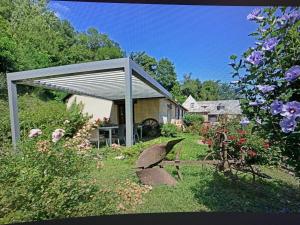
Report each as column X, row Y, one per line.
column 57, row 135
column 34, row 133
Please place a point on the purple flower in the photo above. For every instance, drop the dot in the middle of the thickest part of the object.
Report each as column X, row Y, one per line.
column 288, row 124
column 290, row 18
column 276, row 107
column 245, row 121
column 255, row 57
column 265, row 107
column 293, row 73
column 254, row 15
column 265, row 88
column 291, row 109
column 270, row 44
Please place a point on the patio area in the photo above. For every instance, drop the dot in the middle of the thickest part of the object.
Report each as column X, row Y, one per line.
column 115, row 80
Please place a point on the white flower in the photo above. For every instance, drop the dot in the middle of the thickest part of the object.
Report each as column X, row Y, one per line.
column 120, row 157
column 66, row 122
column 34, row 133
column 57, row 135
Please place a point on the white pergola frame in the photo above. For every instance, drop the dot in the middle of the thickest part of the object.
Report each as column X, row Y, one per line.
column 130, row 69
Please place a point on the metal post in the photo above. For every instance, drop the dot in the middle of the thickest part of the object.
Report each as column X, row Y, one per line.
column 128, row 104
column 13, row 109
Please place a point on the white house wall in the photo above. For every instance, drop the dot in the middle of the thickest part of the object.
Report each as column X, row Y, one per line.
column 156, row 108
column 95, row 107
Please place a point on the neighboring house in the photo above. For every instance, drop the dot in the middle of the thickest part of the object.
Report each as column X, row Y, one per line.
column 162, row 109
column 211, row 110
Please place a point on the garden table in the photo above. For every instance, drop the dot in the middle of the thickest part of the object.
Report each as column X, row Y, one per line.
column 109, row 128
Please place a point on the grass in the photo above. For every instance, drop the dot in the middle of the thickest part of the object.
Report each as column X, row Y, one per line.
column 202, row 189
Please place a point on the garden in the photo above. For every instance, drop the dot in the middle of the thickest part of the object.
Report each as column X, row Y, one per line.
column 58, row 173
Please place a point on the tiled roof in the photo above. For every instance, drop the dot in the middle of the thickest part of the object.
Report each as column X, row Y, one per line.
column 217, row 107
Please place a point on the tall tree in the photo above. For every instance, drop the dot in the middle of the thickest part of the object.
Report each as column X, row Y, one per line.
column 226, row 92
column 32, row 36
column 209, row 90
column 166, row 74
column 147, row 62
column 177, row 93
column 191, row 86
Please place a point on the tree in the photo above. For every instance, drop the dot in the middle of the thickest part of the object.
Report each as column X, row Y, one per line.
column 147, row 62
column 33, row 37
column 191, row 86
column 227, row 92
column 209, row 90
column 177, row 93
column 166, row 74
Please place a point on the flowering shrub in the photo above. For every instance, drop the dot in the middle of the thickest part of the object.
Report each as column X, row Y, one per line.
column 268, row 77
column 46, row 181
column 80, row 140
column 57, row 135
column 242, row 140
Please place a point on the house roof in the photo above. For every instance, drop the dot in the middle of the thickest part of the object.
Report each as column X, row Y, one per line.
column 213, row 107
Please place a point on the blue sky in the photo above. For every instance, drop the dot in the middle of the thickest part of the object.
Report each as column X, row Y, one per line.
column 197, row 39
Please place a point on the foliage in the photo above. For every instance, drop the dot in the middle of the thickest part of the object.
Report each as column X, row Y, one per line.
column 166, row 74
column 268, row 77
column 227, row 92
column 50, row 41
column 192, row 118
column 193, row 122
column 191, row 86
column 148, row 63
column 242, row 141
column 162, row 70
column 46, row 181
column 34, row 113
column 209, row 90
column 169, row 130
column 177, row 93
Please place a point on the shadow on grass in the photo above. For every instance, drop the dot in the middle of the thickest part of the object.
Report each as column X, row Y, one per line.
column 219, row 193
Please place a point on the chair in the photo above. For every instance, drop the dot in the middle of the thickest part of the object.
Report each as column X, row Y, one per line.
column 97, row 138
column 135, row 133
column 121, row 134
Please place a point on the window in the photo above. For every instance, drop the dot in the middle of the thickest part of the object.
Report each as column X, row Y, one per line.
column 212, row 118
column 192, row 105
column 219, row 107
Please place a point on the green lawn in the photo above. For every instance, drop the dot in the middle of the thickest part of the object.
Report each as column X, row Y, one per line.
column 202, row 189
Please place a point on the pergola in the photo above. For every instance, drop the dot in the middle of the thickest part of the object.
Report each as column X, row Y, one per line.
column 115, row 79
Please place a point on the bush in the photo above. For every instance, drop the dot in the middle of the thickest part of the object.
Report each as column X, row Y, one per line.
column 45, row 115
column 268, row 75
column 169, row 130
column 193, row 122
column 258, row 149
column 46, row 180
column 192, row 119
